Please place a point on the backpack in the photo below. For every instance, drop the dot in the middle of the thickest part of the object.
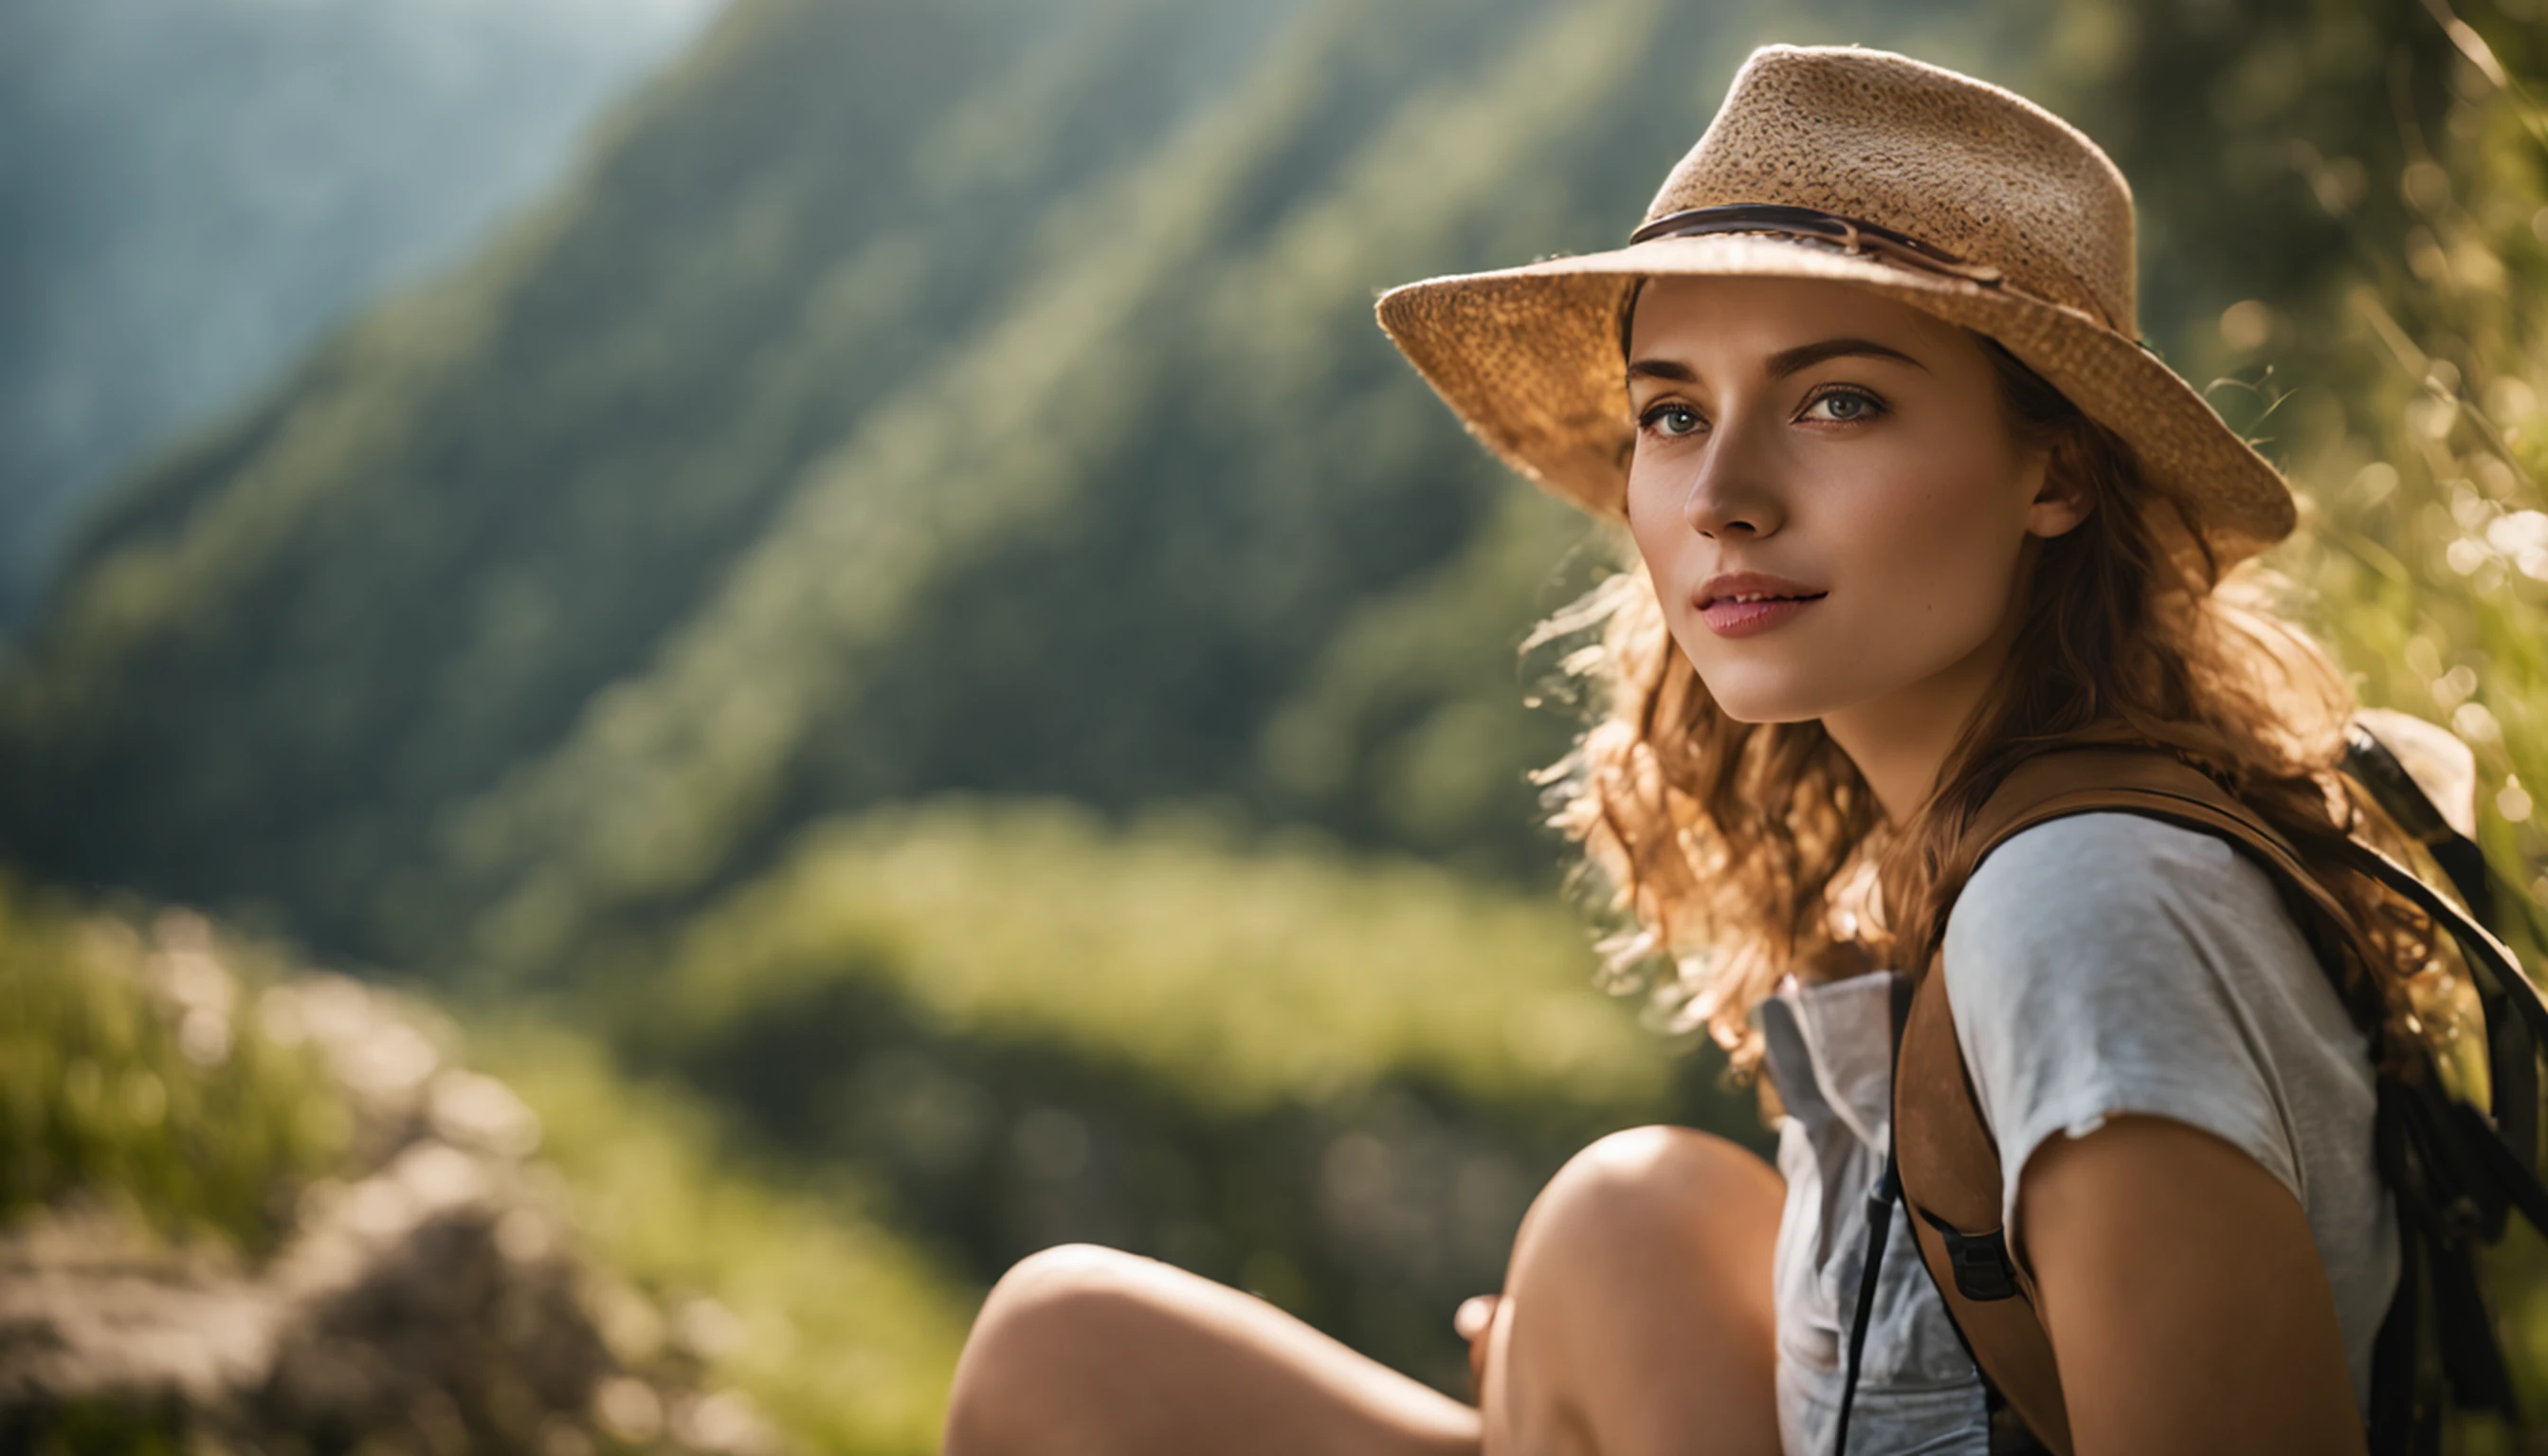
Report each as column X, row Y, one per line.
column 2456, row 1172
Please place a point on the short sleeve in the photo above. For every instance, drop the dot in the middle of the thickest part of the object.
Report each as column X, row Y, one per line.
column 2111, row 963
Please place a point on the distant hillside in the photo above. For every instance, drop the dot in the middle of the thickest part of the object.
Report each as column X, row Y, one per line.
column 191, row 190
column 976, row 395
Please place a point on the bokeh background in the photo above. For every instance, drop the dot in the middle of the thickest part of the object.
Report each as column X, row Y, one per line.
column 679, row 674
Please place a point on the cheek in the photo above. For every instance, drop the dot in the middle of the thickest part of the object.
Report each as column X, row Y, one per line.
column 1654, row 522
column 1928, row 544
column 1921, row 559
column 1931, row 553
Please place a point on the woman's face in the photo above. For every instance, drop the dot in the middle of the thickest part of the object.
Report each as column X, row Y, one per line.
column 1847, row 453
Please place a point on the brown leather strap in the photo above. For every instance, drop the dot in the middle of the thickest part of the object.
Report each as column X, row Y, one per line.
column 1949, row 1162
column 1949, row 1172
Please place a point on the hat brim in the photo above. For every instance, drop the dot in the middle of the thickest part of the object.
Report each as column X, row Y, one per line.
column 1528, row 358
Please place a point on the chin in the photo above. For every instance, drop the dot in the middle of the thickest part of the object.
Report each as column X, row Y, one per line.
column 1752, row 686
column 1766, row 704
column 1772, row 715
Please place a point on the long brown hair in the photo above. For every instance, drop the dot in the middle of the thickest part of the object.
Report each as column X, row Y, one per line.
column 1734, row 853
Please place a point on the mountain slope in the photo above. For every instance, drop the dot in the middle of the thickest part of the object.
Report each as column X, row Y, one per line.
column 475, row 509
column 191, row 190
column 966, row 396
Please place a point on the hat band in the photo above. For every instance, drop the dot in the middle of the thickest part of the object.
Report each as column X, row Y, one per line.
column 1854, row 234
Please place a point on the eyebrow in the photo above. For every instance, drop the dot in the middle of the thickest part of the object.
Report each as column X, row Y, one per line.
column 1785, row 362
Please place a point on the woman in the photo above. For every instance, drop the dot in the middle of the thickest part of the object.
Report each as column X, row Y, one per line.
column 1906, row 497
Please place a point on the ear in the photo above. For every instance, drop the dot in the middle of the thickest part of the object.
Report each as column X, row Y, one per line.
column 2057, row 498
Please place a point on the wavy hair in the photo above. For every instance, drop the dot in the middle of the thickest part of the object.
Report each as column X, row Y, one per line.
column 1732, row 853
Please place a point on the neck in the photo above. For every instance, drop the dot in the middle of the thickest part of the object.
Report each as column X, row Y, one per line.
column 1900, row 741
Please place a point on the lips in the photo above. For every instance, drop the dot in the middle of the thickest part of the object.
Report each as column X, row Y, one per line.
column 1749, row 597
column 1744, row 603
column 1754, row 586
column 1728, row 616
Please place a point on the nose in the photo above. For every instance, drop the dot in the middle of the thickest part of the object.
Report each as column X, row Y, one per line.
column 1730, row 492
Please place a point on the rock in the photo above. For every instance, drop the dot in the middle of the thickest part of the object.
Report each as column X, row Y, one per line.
column 424, row 1299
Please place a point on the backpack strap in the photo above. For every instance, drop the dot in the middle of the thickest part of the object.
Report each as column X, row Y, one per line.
column 2453, row 1172
column 2513, row 1014
column 1948, row 1171
column 1947, row 1160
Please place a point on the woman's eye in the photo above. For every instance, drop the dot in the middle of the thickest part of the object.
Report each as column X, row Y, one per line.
column 1672, row 421
column 1842, row 406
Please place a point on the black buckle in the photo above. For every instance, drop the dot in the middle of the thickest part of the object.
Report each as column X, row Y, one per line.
column 1983, row 1270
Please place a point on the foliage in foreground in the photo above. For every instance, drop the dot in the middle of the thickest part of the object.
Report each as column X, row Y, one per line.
column 842, row 1333
column 2417, row 425
column 128, row 1066
column 314, row 1229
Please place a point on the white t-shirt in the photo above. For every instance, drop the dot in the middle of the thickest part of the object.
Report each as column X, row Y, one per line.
column 2098, row 965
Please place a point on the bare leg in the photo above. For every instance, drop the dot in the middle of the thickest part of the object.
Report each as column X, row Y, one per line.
column 1636, row 1316
column 1088, row 1350
column 1636, row 1320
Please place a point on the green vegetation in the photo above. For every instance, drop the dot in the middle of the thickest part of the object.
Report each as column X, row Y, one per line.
column 2428, row 552
column 841, row 1335
column 992, row 1024
column 1239, row 975
column 2427, row 549
column 227, row 1107
column 985, row 395
column 131, row 1071
column 997, row 407
column 1335, row 1079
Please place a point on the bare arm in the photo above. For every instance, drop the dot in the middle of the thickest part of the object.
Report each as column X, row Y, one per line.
column 2184, row 1295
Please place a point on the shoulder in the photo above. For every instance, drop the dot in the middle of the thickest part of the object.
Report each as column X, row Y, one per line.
column 2112, row 963
column 2102, row 874
column 2121, row 891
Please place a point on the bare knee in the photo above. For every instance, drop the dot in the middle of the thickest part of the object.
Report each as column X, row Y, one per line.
column 1672, row 1186
column 1639, row 1295
column 1044, row 1303
column 1649, row 1212
column 1050, row 1282
column 1021, row 1364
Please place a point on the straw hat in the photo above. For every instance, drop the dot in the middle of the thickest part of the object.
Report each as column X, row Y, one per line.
column 1947, row 193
